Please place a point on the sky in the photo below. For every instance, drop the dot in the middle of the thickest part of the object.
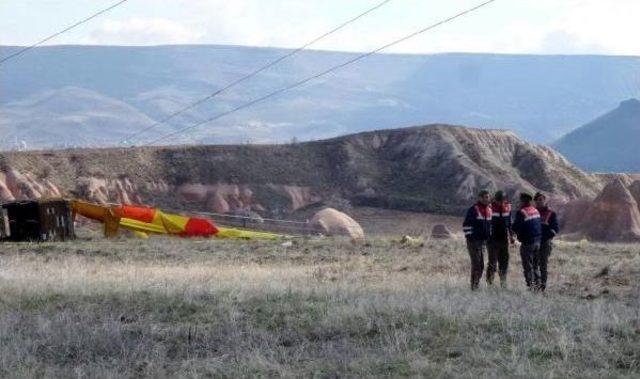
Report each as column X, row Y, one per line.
column 506, row 26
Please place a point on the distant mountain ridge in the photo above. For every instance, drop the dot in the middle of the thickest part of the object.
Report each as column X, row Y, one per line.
column 608, row 144
column 71, row 116
column 539, row 97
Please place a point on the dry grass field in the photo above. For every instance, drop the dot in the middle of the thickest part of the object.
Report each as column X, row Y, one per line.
column 322, row 308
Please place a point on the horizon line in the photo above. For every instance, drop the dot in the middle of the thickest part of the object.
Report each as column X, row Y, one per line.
column 204, row 45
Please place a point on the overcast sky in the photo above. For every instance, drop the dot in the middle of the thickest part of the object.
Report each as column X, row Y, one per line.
column 507, row 26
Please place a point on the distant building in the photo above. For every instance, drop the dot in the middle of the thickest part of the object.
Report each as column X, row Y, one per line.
column 41, row 220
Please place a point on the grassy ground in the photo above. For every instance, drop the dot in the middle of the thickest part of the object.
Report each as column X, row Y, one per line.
column 169, row 307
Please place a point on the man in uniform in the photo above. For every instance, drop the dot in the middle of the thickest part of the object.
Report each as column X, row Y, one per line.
column 477, row 230
column 528, row 227
column 550, row 228
column 501, row 236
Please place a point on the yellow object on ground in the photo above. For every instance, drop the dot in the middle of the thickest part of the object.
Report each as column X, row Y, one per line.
column 174, row 224
column 140, row 235
column 97, row 212
column 246, row 234
column 412, row 241
column 143, row 227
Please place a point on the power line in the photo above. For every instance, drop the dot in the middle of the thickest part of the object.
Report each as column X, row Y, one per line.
column 68, row 28
column 323, row 73
column 241, row 217
column 256, row 72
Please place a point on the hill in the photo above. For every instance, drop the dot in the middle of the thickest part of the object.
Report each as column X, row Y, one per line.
column 433, row 168
column 539, row 97
column 70, row 116
column 607, row 144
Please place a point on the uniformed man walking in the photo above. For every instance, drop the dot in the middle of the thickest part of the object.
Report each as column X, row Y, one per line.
column 501, row 236
column 477, row 230
column 550, row 228
column 528, row 227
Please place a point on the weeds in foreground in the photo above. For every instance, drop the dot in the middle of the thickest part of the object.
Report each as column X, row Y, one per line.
column 162, row 308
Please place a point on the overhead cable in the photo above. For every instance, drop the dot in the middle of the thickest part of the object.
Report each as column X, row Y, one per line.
column 255, row 72
column 320, row 74
column 68, row 28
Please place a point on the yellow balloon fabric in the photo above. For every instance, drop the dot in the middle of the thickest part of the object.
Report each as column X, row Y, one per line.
column 246, row 234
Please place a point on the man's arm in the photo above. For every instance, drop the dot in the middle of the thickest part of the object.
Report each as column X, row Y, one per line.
column 554, row 225
column 510, row 228
column 517, row 224
column 468, row 223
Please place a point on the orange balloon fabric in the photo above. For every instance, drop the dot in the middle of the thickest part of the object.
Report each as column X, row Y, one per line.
column 139, row 213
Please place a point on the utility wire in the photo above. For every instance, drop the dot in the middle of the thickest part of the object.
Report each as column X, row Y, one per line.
column 68, row 28
column 323, row 73
column 256, row 72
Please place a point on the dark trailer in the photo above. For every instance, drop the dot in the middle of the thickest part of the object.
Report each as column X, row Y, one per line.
column 41, row 220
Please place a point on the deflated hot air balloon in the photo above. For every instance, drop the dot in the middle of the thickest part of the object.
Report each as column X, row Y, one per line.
column 148, row 220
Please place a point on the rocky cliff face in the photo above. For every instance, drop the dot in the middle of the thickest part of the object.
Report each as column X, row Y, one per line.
column 613, row 216
column 17, row 186
column 434, row 168
column 441, row 168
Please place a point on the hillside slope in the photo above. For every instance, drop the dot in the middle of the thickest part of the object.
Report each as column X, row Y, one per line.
column 434, row 168
column 608, row 144
column 69, row 116
column 539, row 97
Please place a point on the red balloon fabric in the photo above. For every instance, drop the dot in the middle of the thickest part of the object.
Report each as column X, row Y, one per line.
column 199, row 227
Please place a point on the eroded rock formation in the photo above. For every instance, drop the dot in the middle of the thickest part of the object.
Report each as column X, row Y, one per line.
column 332, row 222
column 15, row 185
column 613, row 216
